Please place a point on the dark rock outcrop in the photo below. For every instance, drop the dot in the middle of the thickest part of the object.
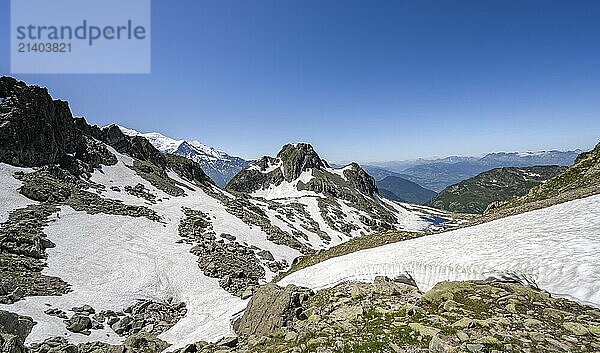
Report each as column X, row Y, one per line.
column 134, row 146
column 298, row 158
column 235, row 265
column 36, row 130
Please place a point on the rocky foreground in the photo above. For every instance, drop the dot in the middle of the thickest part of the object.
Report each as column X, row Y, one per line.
column 385, row 316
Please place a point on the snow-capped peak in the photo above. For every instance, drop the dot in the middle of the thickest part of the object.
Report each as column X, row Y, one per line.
column 220, row 166
column 161, row 142
column 169, row 145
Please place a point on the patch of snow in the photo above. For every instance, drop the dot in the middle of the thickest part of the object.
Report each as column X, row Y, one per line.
column 339, row 171
column 287, row 189
column 271, row 167
column 557, row 246
column 10, row 198
column 408, row 219
column 312, row 207
column 305, row 177
column 110, row 263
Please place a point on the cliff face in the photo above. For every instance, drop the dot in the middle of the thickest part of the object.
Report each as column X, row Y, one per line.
column 34, row 129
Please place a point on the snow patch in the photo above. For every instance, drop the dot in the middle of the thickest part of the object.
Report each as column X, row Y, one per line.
column 339, row 171
column 10, row 198
column 287, row 189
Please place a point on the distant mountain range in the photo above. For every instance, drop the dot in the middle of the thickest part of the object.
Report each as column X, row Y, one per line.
column 437, row 174
column 218, row 165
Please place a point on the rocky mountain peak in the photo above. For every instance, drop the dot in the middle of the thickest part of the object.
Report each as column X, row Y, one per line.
column 35, row 129
column 291, row 165
column 360, row 179
column 297, row 158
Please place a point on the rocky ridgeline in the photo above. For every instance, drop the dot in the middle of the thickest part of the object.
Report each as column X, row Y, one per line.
column 394, row 316
column 34, row 129
column 237, row 266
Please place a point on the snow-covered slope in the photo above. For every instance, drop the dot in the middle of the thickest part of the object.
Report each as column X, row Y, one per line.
column 106, row 219
column 220, row 166
column 111, row 261
column 557, row 247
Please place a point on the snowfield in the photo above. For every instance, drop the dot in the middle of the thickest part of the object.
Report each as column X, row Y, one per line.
column 111, row 261
column 558, row 247
column 10, row 198
column 112, row 271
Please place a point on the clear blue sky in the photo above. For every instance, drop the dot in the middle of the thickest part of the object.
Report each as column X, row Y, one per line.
column 361, row 80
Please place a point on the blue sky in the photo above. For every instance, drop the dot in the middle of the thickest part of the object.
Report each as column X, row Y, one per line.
column 360, row 80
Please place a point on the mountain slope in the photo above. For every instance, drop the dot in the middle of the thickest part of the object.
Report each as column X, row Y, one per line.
column 93, row 219
column 475, row 194
column 516, row 247
column 219, row 166
column 404, row 190
column 580, row 180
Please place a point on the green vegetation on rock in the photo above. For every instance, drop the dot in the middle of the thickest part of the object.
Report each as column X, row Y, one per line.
column 580, row 180
column 392, row 316
column 475, row 194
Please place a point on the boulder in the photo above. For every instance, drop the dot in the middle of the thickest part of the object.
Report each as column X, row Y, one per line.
column 79, row 323
column 14, row 329
column 16, row 325
column 144, row 343
column 270, row 308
